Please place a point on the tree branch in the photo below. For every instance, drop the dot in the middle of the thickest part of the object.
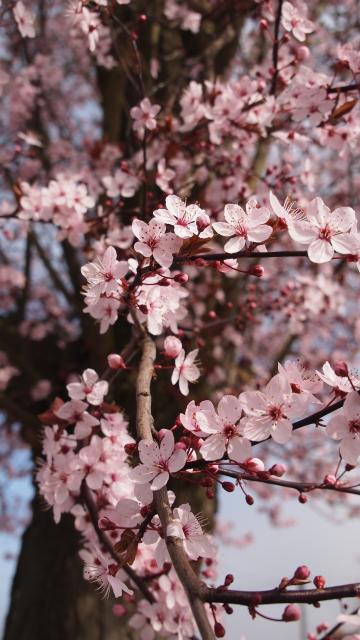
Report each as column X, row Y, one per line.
column 277, row 596
column 144, row 423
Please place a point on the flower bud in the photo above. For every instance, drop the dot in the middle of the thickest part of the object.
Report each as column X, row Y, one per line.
column 319, row 582
column 330, row 480
column 164, row 282
column 228, row 486
column 254, row 464
column 302, row 572
column 302, row 498
column 341, row 369
column 115, row 361
column 181, row 278
column 277, row 470
column 202, row 222
column 249, row 500
column 219, row 630
column 291, row 613
column 130, row 448
column 229, row 579
column 257, row 270
column 172, row 347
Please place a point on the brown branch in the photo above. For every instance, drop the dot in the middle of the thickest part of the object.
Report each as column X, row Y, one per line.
column 211, row 257
column 275, row 51
column 277, row 596
column 144, row 422
column 289, row 484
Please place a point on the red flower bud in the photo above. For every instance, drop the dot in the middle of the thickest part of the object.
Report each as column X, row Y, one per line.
column 341, row 369
column 319, row 582
column 302, row 572
column 249, row 499
column 228, row 486
column 229, row 579
column 181, row 278
column 277, row 470
column 291, row 613
column 115, row 361
column 219, row 630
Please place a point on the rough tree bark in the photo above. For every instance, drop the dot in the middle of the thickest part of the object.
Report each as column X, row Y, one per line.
column 49, row 598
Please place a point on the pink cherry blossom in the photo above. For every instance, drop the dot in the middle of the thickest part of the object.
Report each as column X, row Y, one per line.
column 187, row 527
column 341, row 383
column 144, row 116
column 243, row 227
column 104, row 273
column 293, row 21
column 121, row 184
column 326, row 231
column 158, row 462
column 227, row 433
column 172, row 347
column 103, row 570
column 154, row 241
column 90, row 388
column 269, row 412
column 181, row 216
column 185, row 370
column 345, row 426
column 200, row 420
column 24, row 20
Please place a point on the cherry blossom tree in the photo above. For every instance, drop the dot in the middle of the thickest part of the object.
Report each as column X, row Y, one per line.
column 180, row 257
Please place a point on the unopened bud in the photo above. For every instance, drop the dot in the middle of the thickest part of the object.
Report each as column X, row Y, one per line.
column 277, row 470
column 229, row 579
column 228, row 486
column 130, row 448
column 172, row 347
column 302, row 498
column 249, row 499
column 330, row 480
column 257, row 270
column 341, row 369
column 202, row 222
column 291, row 613
column 164, row 282
column 181, row 278
column 319, row 582
column 229, row 610
column 254, row 464
column 219, row 630
column 264, row 25
column 302, row 572
column 115, row 361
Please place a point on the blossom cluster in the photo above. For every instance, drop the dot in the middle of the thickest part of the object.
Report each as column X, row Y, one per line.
column 87, row 462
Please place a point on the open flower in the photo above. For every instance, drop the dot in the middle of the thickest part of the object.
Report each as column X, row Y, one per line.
column 187, row 527
column 154, row 241
column 90, row 388
column 269, row 413
column 243, row 226
column 326, row 231
column 158, row 461
column 226, row 433
column 104, row 273
column 345, row 426
column 185, row 370
column 183, row 217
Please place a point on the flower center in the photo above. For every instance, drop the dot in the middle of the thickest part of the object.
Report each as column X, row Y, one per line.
column 325, row 233
column 275, row 412
column 354, row 426
column 229, row 430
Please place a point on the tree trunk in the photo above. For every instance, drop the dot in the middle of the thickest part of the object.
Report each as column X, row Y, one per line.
column 50, row 600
